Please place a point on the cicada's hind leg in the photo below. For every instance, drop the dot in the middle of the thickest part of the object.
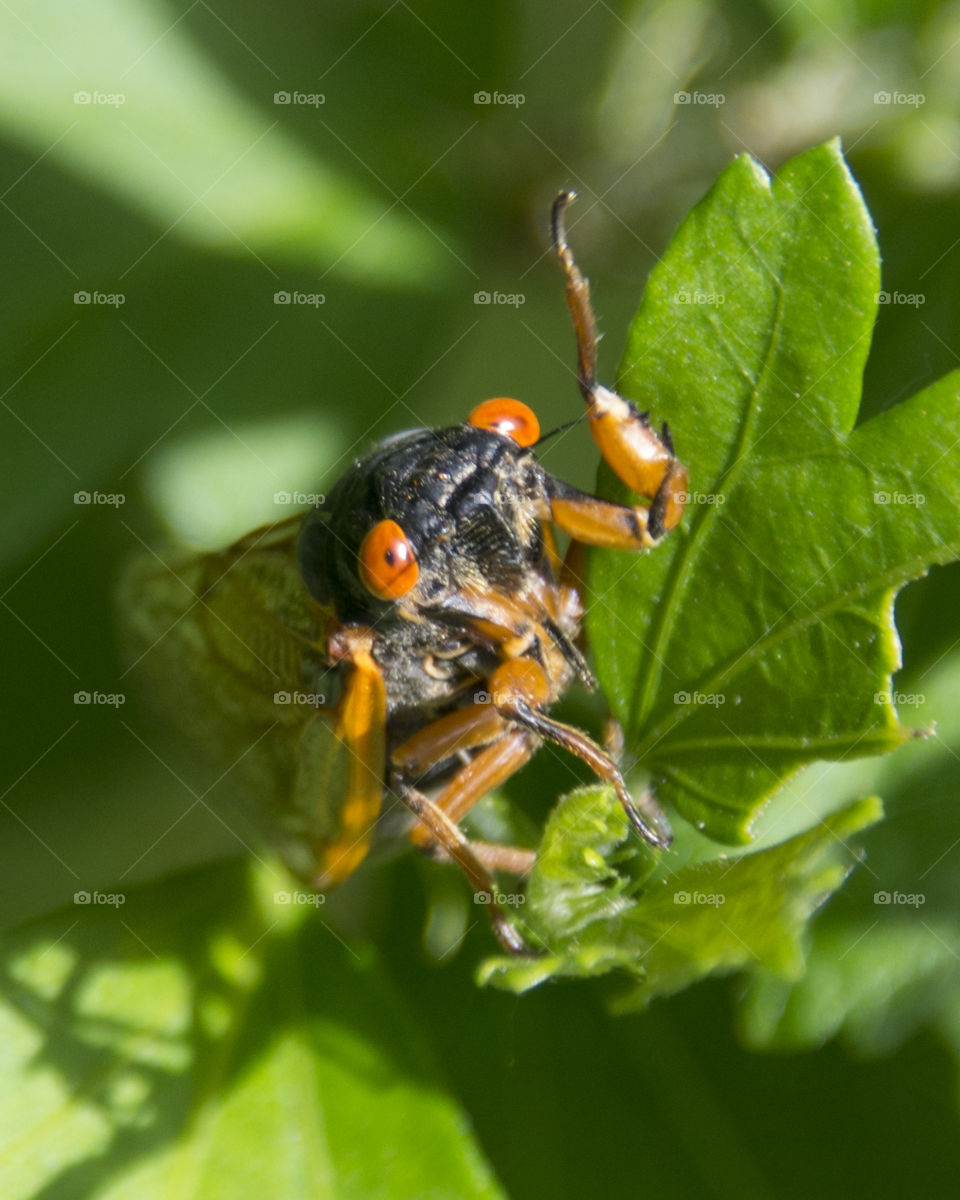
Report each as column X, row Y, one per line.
column 445, row 833
column 642, row 459
column 499, row 753
column 502, row 734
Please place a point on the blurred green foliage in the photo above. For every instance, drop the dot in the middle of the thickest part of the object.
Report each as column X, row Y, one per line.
column 398, row 198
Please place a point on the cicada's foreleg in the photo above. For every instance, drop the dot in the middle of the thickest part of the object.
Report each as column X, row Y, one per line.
column 340, row 780
column 626, row 439
column 594, row 522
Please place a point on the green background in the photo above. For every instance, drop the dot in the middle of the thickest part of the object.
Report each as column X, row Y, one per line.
column 399, row 198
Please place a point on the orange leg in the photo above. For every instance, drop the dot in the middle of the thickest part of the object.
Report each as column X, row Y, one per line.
column 465, row 729
column 599, row 522
column 515, row 860
column 338, row 788
column 487, row 770
column 644, row 461
column 445, row 832
column 480, row 725
column 504, row 752
column 519, row 688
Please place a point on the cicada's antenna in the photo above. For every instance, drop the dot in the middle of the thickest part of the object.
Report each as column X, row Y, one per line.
column 544, row 437
column 578, row 300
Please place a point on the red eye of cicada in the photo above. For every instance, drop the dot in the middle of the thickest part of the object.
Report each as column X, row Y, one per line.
column 509, row 417
column 388, row 567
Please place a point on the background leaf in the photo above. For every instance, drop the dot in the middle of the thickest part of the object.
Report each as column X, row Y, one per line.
column 151, row 1038
column 884, row 958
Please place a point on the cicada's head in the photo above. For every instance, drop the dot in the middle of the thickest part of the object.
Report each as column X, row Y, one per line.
column 429, row 514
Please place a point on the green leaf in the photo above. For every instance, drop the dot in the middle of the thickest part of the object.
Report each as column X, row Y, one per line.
column 884, row 960
column 759, row 636
column 597, row 902
column 149, row 1044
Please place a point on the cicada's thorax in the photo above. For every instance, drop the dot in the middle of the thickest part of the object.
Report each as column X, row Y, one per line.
column 472, row 504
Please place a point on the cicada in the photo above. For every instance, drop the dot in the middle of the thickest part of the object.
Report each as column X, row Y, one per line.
column 426, row 606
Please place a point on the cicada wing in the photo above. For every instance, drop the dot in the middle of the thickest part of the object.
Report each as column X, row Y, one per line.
column 230, row 650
